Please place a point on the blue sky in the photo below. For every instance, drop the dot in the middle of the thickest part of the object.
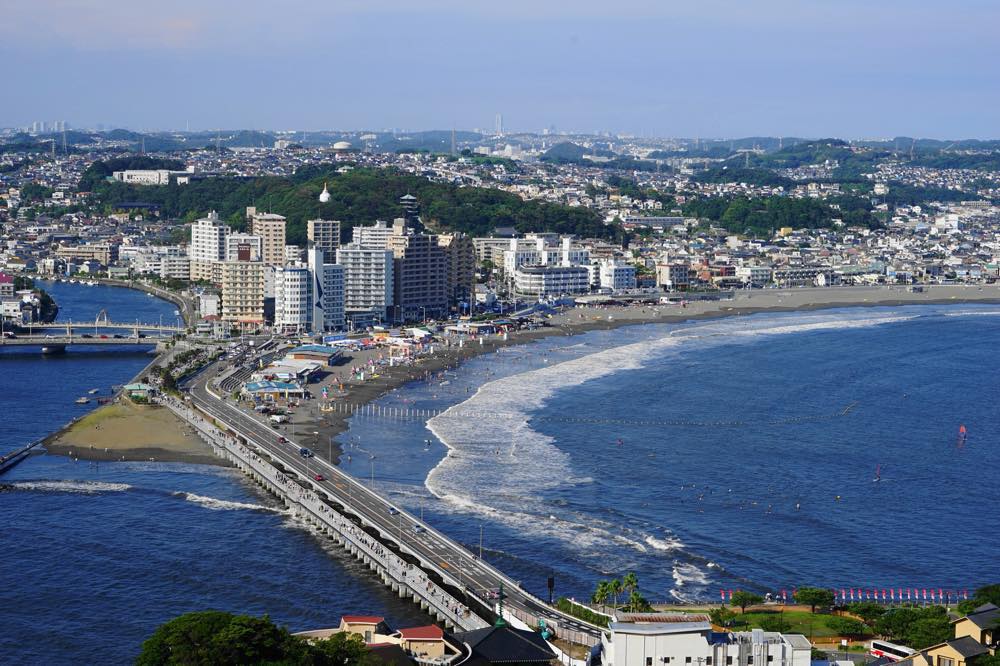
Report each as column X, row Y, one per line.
column 699, row 68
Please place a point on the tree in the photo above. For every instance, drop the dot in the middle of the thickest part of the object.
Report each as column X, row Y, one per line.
column 721, row 616
column 630, row 583
column 343, row 648
column 868, row 611
column 845, row 626
column 601, row 594
column 614, row 589
column 637, row 603
column 929, row 631
column 215, row 637
column 988, row 594
column 814, row 596
column 742, row 598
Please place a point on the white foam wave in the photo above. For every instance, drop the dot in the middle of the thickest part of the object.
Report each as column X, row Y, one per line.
column 224, row 505
column 973, row 313
column 82, row 487
column 685, row 573
column 666, row 545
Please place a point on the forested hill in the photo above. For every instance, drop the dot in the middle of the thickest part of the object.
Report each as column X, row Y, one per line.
column 358, row 197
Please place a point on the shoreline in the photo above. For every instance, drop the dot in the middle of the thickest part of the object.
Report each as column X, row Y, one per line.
column 579, row 320
column 317, row 429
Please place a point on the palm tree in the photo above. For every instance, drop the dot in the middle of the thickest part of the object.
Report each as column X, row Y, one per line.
column 630, row 582
column 636, row 603
column 601, row 594
column 615, row 588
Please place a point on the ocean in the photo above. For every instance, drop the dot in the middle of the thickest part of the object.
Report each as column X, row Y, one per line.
column 95, row 556
column 762, row 452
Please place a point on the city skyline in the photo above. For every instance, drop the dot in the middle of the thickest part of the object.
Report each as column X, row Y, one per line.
column 716, row 69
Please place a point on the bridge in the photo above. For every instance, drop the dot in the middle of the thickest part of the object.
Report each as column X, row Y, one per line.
column 72, row 333
column 411, row 557
column 8, row 460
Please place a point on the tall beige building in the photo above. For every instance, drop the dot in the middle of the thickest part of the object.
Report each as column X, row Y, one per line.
column 271, row 229
column 420, row 275
column 461, row 255
column 243, row 292
column 325, row 235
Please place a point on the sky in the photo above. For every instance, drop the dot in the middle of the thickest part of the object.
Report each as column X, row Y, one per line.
column 669, row 68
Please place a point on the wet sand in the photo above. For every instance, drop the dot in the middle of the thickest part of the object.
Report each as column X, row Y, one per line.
column 124, row 431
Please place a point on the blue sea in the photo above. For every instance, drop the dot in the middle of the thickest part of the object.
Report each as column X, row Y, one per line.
column 94, row 557
column 761, row 452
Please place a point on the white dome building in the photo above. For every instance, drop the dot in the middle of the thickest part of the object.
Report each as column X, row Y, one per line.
column 342, row 146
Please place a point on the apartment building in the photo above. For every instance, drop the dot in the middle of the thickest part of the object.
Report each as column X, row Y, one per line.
column 615, row 275
column 376, row 235
column 293, row 299
column 420, row 275
column 243, row 247
column 327, row 292
column 550, row 281
column 324, row 234
column 208, row 245
column 461, row 255
column 368, row 282
column 271, row 229
column 243, row 292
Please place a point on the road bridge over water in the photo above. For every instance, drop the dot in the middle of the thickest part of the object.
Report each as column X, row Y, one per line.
column 325, row 496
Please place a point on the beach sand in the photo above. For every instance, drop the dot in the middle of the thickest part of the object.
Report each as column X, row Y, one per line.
column 124, row 431
column 141, row 433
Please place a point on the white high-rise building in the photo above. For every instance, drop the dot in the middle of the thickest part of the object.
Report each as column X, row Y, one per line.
column 243, row 247
column 327, row 293
column 243, row 292
column 368, row 282
column 292, row 299
column 616, row 276
column 377, row 235
column 208, row 245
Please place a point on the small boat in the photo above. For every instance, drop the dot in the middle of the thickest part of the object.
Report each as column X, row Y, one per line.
column 93, row 391
column 82, row 401
column 177, row 313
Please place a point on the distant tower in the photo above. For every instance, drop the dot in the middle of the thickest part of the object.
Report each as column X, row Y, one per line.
column 499, row 124
column 453, row 150
column 411, row 208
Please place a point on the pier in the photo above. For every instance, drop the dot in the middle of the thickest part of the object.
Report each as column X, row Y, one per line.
column 11, row 459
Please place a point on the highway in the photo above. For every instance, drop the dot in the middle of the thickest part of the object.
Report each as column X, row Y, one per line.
column 434, row 550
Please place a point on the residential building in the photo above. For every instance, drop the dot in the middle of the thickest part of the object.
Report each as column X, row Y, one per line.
column 615, row 276
column 461, row 256
column 175, row 268
column 292, row 299
column 208, row 245
column 324, row 234
column 243, row 292
column 420, row 275
column 975, row 635
column 271, row 229
column 243, row 247
column 327, row 293
column 103, row 253
column 671, row 639
column 368, row 282
column 376, row 235
column 674, row 275
column 550, row 281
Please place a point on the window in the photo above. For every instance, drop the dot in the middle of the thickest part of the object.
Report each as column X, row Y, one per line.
column 666, row 660
column 729, row 661
column 946, row 661
column 770, row 658
column 687, row 660
column 649, row 661
column 708, row 661
column 750, row 660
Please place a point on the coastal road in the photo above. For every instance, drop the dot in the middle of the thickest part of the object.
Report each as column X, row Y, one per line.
column 434, row 549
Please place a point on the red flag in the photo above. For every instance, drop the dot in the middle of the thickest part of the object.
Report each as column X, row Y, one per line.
column 940, row 595
column 722, row 593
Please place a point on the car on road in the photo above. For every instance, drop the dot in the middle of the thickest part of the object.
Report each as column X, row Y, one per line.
column 86, row 335
column 305, row 453
column 393, row 511
column 282, row 440
column 103, row 337
column 319, row 477
column 118, row 336
column 418, row 529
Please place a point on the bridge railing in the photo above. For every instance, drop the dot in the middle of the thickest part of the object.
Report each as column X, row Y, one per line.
column 402, row 573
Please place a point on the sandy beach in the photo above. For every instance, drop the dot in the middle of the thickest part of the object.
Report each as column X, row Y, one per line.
column 131, row 432
column 316, row 429
column 124, row 431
